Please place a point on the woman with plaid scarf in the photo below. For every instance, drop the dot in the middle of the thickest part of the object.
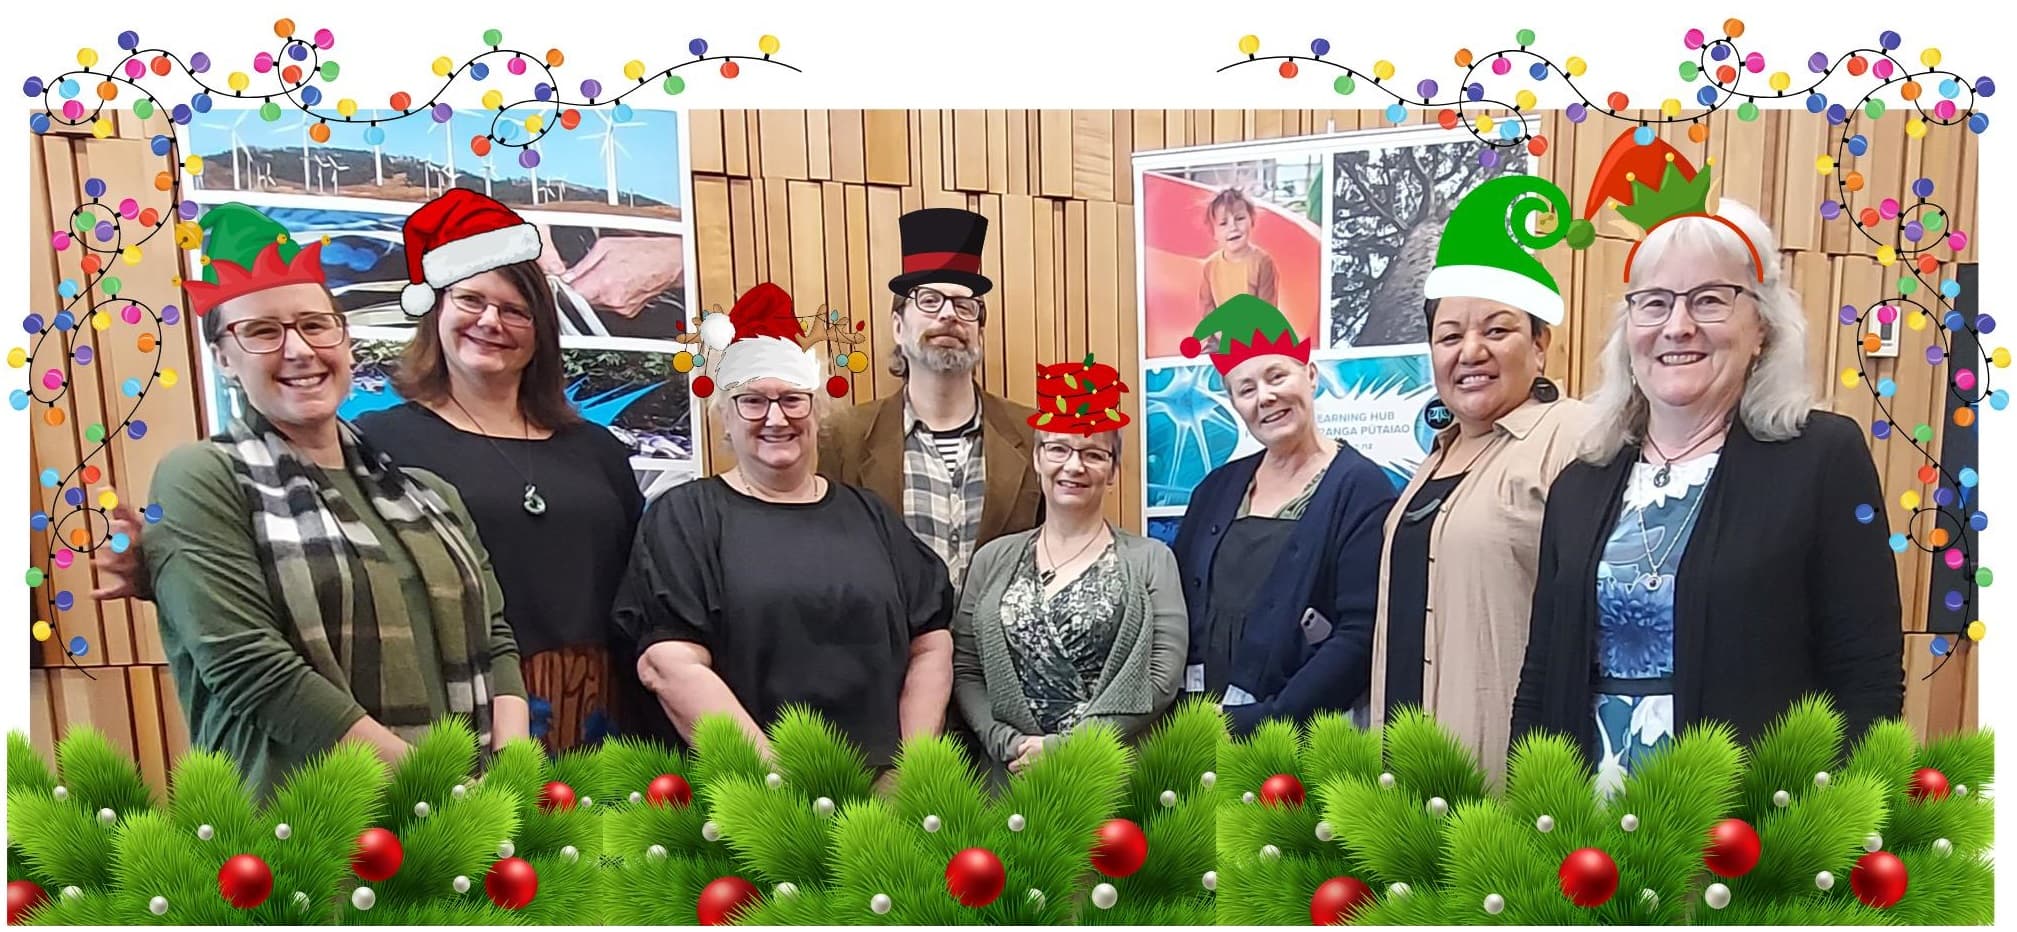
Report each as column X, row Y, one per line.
column 309, row 591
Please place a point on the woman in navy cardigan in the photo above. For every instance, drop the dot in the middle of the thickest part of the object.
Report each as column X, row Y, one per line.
column 1280, row 551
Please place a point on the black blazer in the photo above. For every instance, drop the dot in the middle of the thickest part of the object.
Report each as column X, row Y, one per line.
column 1780, row 592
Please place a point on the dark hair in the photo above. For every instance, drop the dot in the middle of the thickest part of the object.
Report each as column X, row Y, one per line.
column 1537, row 325
column 423, row 368
column 1226, row 200
column 898, row 366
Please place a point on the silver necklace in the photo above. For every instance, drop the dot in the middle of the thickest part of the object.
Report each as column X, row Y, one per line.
column 750, row 489
column 533, row 503
column 1653, row 579
column 1045, row 576
column 1666, row 469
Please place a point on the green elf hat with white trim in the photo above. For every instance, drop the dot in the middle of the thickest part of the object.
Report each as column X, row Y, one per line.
column 1484, row 252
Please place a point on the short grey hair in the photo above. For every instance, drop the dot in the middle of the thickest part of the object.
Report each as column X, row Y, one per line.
column 1778, row 392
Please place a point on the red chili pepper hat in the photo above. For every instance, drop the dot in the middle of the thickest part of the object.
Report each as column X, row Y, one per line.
column 942, row 244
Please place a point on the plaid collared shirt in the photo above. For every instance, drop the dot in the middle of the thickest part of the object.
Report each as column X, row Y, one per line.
column 941, row 499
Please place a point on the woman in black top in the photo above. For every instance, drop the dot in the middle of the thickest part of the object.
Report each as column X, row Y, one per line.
column 769, row 586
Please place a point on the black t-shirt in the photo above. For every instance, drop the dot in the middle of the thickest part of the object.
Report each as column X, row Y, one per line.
column 1408, row 591
column 559, row 570
column 812, row 604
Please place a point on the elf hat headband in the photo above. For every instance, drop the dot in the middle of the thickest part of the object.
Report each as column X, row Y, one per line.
column 1677, row 190
column 1079, row 398
column 248, row 252
column 1484, row 254
column 1248, row 327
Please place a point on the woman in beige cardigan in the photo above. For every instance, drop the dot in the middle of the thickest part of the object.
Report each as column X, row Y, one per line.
column 1074, row 621
column 1457, row 572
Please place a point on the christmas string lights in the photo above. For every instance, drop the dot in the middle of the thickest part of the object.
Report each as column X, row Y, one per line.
column 99, row 228
column 1902, row 234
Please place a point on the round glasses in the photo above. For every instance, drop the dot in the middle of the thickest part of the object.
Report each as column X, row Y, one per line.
column 754, row 407
column 1708, row 304
column 263, row 335
column 473, row 304
column 932, row 302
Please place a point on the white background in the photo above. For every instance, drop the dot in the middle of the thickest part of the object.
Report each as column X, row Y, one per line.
column 1025, row 54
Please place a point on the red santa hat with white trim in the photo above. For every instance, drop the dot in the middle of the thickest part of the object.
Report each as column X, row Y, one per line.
column 458, row 235
column 765, row 342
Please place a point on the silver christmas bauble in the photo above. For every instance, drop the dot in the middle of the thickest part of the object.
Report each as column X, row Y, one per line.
column 636, row 797
column 1821, row 779
column 1168, row 798
column 1494, row 903
column 460, row 883
column 1398, row 889
column 1207, row 779
column 773, row 779
column 421, row 810
column 710, row 831
column 1873, row 842
column 880, row 904
column 1247, row 798
column 283, row 831
column 1782, row 799
column 822, row 806
column 1651, row 899
column 1016, row 822
column 587, row 802
column 655, row 852
column 1960, row 789
column 458, row 791
column 1943, row 847
column 61, row 793
column 1824, row 881
column 206, row 832
column 787, row 888
column 1717, row 896
column 570, row 854
column 1438, row 806
column 363, row 898
column 933, row 823
column 1211, row 880
column 1386, row 781
column 1629, row 823
column 1270, row 852
column 300, row 900
column 107, row 816
column 1105, row 896
column 506, row 849
column 72, row 892
column 1544, row 824
column 1037, row 896
column 1324, row 832
column 158, row 906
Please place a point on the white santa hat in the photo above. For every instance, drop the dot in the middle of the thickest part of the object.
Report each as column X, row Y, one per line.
column 765, row 345
column 458, row 235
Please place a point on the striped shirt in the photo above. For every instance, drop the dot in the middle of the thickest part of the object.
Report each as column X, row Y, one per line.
column 944, row 483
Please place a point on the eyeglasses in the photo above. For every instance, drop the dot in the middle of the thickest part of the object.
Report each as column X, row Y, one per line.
column 1058, row 454
column 263, row 335
column 473, row 304
column 1708, row 304
column 932, row 301
column 755, row 407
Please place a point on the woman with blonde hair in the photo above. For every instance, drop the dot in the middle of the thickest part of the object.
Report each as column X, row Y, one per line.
column 1707, row 559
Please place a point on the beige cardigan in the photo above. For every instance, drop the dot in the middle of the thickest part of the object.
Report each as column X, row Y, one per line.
column 1483, row 547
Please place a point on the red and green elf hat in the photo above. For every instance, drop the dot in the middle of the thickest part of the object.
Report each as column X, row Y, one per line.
column 1247, row 327
column 248, row 252
column 1650, row 185
column 1079, row 398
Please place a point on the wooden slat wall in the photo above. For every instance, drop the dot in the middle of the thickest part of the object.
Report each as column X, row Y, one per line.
column 1059, row 187
column 810, row 199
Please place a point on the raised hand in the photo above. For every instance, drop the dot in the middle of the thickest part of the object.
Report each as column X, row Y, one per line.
column 122, row 575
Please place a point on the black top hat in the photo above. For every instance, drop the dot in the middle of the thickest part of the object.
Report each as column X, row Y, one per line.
column 942, row 244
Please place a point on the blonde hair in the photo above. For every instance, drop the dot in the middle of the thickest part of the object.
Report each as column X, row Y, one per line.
column 1778, row 393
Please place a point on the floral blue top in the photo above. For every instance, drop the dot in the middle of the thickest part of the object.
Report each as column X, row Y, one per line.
column 1635, row 612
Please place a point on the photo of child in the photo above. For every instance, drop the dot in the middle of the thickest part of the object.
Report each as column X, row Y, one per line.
column 1239, row 266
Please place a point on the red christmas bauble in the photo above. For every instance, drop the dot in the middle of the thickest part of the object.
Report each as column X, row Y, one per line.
column 245, row 881
column 1121, row 849
column 22, row 896
column 1337, row 898
column 1733, row 848
column 722, row 898
column 1928, row 783
column 703, row 387
column 1282, row 790
column 837, row 386
column 556, row 795
column 1589, row 877
column 378, row 855
column 975, row 877
column 511, row 883
column 669, row 788
column 1879, row 879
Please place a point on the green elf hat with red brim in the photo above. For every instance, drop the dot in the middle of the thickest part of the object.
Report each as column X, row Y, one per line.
column 1248, row 327
column 1081, row 397
column 248, row 252
column 1650, row 185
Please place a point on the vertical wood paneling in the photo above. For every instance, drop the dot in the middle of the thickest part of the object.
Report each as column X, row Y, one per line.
column 818, row 146
column 1046, row 226
column 1799, row 220
column 864, row 293
column 1018, row 152
column 42, row 723
column 886, row 134
column 885, row 263
column 1054, row 148
column 1093, row 155
column 750, row 265
column 808, row 246
column 145, row 708
column 969, row 155
column 997, row 150
column 174, row 726
column 735, row 142
column 1018, row 287
column 776, row 211
column 994, row 336
column 782, row 144
column 1075, row 273
column 714, row 247
column 704, row 143
column 1123, row 150
column 846, row 153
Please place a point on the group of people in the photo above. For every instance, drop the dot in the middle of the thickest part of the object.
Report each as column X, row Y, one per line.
column 1683, row 546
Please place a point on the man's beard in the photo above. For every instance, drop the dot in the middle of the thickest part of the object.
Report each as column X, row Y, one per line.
column 941, row 359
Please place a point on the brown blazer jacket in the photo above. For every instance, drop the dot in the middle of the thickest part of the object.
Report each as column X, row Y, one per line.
column 862, row 446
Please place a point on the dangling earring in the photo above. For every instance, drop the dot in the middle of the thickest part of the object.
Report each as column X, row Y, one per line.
column 1544, row 391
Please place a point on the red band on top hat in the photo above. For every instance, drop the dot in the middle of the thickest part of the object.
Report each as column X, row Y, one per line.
column 941, row 262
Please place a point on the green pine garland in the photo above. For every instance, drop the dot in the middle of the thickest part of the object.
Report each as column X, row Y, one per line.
column 1385, row 832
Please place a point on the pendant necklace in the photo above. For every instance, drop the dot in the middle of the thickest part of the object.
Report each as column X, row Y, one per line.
column 533, row 502
column 1044, row 577
column 1654, row 578
column 1666, row 469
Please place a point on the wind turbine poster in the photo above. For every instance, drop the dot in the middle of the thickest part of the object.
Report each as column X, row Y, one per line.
column 607, row 195
column 1336, row 231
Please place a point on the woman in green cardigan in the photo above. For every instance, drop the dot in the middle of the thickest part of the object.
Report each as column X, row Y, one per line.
column 1074, row 621
column 310, row 591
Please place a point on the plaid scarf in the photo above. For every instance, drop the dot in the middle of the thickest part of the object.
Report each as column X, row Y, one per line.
column 342, row 603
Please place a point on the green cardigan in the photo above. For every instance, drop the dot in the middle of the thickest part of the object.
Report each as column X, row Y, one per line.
column 1143, row 671
column 244, row 689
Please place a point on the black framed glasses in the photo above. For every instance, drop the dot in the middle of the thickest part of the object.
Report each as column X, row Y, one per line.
column 263, row 335
column 1707, row 304
column 1058, row 454
column 932, row 302
column 473, row 304
column 755, row 407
